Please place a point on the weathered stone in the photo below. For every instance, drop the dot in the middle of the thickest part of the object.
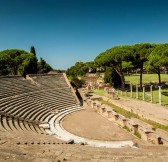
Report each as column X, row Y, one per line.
column 136, row 145
column 81, row 143
column 71, row 141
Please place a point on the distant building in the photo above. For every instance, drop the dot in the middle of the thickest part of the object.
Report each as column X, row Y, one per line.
column 94, row 81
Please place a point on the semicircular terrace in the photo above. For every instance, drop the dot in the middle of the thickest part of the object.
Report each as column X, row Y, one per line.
column 65, row 127
column 39, row 103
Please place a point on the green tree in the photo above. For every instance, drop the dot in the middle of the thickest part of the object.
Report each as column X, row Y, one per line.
column 77, row 82
column 158, row 59
column 5, row 61
column 127, row 66
column 14, row 60
column 28, row 65
column 80, row 69
column 43, row 67
column 112, row 77
column 89, row 65
column 115, row 57
column 32, row 50
column 141, row 53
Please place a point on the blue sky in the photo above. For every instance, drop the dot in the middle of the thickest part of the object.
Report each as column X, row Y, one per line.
column 66, row 31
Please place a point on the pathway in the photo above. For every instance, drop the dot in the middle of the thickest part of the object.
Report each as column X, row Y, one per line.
column 144, row 109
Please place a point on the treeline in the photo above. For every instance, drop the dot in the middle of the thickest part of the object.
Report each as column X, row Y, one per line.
column 81, row 68
column 119, row 60
column 20, row 62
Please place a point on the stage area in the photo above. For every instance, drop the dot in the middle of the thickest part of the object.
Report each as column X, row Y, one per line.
column 89, row 124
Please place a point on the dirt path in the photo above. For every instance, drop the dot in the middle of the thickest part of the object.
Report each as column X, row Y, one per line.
column 89, row 124
column 144, row 109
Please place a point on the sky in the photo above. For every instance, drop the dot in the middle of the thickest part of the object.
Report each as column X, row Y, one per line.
column 66, row 31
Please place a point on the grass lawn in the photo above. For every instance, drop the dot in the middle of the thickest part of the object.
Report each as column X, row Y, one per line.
column 100, row 92
column 146, row 78
column 148, row 98
column 150, row 78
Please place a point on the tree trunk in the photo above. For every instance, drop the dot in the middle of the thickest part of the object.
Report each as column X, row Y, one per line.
column 159, row 78
column 141, row 72
column 122, row 81
column 15, row 70
column 120, row 72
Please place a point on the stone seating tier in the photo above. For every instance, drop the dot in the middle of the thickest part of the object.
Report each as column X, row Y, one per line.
column 25, row 104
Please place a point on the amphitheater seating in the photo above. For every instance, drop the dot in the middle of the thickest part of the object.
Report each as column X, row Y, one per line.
column 27, row 103
column 22, row 139
column 49, row 81
column 11, row 86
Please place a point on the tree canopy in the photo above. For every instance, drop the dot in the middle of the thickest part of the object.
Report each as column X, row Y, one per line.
column 112, row 77
column 125, row 60
column 80, row 69
column 20, row 62
column 16, row 62
column 43, row 67
column 32, row 50
column 116, row 57
column 141, row 53
column 158, row 59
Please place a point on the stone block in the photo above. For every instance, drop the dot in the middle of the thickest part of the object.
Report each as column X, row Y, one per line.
column 133, row 126
column 113, row 116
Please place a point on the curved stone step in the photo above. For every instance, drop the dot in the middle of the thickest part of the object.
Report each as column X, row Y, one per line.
column 61, row 133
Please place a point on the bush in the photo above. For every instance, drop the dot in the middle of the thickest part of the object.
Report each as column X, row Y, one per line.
column 137, row 134
column 126, row 128
column 112, row 77
column 75, row 82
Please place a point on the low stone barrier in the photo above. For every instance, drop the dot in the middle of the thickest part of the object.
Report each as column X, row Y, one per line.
column 154, row 138
column 140, row 128
column 122, row 120
column 113, row 116
column 144, row 133
column 102, row 110
column 93, row 104
column 133, row 127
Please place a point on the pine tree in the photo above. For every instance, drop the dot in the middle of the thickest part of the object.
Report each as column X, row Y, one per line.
column 32, row 50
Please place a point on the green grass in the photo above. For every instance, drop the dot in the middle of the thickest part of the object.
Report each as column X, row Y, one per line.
column 126, row 128
column 129, row 115
column 146, row 78
column 149, row 78
column 137, row 134
column 164, row 92
column 120, row 110
column 134, row 79
column 100, row 92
